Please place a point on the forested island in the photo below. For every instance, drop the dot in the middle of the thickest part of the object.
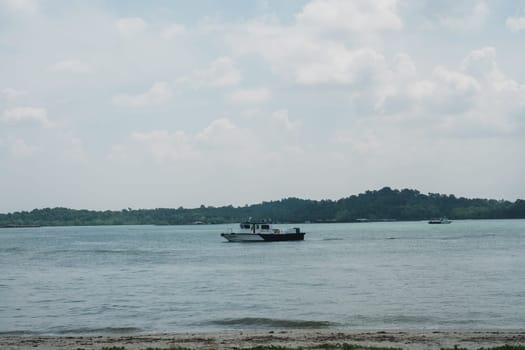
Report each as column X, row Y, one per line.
column 379, row 205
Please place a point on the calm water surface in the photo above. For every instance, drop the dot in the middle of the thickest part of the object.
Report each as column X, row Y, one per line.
column 77, row 280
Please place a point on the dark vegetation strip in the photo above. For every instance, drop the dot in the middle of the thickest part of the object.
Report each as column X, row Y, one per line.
column 383, row 204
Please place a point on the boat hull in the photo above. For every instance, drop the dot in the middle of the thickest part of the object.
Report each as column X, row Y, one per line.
column 262, row 237
column 439, row 222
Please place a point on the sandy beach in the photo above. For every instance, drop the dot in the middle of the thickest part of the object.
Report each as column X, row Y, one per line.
column 406, row 339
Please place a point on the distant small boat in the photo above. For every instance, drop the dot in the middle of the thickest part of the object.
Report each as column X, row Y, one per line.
column 262, row 232
column 440, row 221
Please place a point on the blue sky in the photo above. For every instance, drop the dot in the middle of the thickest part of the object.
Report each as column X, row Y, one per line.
column 113, row 104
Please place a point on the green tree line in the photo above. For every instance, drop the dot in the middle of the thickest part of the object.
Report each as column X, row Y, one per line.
column 383, row 204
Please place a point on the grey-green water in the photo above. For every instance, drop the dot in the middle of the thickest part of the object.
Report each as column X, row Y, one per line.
column 469, row 274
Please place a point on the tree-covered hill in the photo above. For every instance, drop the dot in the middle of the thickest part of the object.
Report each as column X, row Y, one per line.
column 383, row 204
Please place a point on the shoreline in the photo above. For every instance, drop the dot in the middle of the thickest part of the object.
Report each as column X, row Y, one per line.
column 412, row 339
column 357, row 221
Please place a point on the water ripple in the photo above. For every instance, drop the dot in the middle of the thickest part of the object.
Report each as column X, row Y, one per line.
column 272, row 323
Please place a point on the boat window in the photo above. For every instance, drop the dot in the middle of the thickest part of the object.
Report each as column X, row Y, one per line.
column 245, row 226
column 265, row 227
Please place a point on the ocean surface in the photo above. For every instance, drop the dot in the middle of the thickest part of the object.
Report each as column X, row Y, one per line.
column 392, row 275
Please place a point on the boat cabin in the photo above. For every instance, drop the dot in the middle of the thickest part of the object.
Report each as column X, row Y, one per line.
column 256, row 227
column 264, row 228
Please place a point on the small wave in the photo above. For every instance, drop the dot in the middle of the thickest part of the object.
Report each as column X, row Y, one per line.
column 394, row 319
column 11, row 250
column 410, row 319
column 332, row 239
column 272, row 323
column 467, row 236
column 102, row 251
column 104, row 330
column 18, row 333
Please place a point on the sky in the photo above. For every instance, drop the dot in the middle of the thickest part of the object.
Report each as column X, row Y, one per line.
column 148, row 104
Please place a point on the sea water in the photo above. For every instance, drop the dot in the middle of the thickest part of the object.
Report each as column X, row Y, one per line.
column 391, row 275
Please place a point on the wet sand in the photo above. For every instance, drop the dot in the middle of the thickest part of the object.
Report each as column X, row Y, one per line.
column 406, row 339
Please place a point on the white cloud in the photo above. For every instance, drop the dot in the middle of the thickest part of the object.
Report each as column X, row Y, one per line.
column 223, row 134
column 282, row 119
column 337, row 64
column 454, row 92
column 403, row 66
column 26, row 114
column 456, row 81
column 173, row 31
column 21, row 6
column 159, row 93
column 72, row 66
column 482, row 65
column 222, row 72
column 74, row 149
column 515, row 24
column 481, row 62
column 20, row 149
column 501, row 99
column 11, row 94
column 221, row 137
column 365, row 142
column 468, row 19
column 478, row 100
column 251, row 96
column 353, row 16
column 163, row 145
column 131, row 26
column 446, row 92
column 302, row 55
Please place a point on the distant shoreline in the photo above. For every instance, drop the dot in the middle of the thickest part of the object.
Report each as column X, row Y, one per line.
column 385, row 204
column 235, row 223
column 312, row 339
column 18, row 226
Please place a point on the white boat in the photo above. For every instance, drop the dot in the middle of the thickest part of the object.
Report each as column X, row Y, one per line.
column 262, row 232
column 440, row 221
